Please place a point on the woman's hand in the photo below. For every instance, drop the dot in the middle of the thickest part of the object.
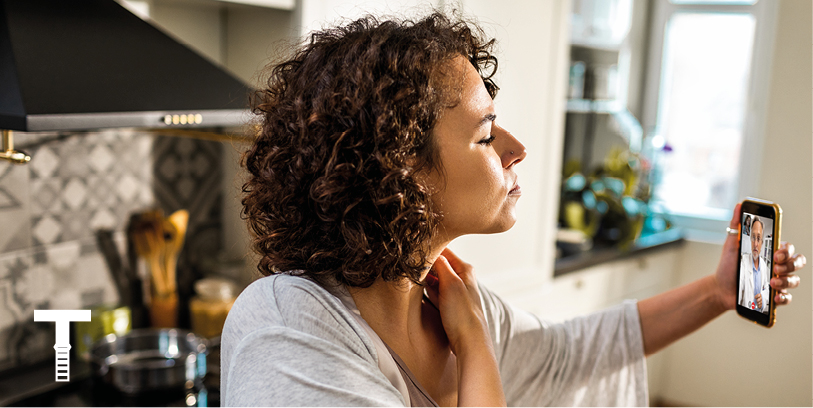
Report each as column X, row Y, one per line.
column 452, row 286
column 786, row 261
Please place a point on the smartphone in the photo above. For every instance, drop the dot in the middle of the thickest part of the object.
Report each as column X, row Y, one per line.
column 759, row 237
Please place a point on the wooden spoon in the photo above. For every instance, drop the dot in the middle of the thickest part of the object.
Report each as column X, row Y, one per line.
column 175, row 233
column 150, row 246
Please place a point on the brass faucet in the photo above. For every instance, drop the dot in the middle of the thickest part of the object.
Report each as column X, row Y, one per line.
column 9, row 153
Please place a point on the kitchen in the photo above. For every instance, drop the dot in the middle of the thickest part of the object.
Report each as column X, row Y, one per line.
column 77, row 182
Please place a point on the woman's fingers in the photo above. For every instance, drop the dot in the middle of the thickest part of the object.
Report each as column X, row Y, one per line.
column 784, row 252
column 432, row 289
column 785, row 282
column 735, row 218
column 456, row 263
column 783, row 298
column 462, row 269
column 794, row 263
column 733, row 239
column 443, row 270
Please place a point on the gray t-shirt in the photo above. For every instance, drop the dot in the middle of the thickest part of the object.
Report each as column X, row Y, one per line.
column 288, row 341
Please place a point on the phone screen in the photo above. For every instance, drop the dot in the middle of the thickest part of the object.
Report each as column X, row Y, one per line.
column 756, row 262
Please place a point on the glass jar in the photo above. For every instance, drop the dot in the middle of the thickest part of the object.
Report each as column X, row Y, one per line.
column 208, row 310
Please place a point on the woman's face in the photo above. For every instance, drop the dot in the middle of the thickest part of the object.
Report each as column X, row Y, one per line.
column 479, row 191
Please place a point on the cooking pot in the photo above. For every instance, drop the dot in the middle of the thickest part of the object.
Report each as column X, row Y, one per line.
column 150, row 359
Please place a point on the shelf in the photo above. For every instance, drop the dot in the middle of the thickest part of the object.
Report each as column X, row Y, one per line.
column 628, row 126
column 594, row 106
column 595, row 45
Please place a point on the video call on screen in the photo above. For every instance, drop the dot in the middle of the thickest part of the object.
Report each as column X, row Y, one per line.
column 755, row 262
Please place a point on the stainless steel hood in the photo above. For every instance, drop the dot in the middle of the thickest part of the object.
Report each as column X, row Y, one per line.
column 91, row 64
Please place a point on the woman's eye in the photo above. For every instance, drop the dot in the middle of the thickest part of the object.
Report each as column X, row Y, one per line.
column 488, row 140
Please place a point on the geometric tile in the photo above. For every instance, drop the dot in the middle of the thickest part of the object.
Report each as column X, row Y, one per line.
column 13, row 269
column 74, row 193
column 101, row 158
column 103, row 219
column 185, row 146
column 37, row 285
column 92, row 274
column 76, row 224
column 45, row 196
column 46, row 230
column 63, row 257
column 44, row 162
column 201, row 165
column 7, row 201
column 185, row 188
column 127, row 188
column 92, row 297
column 170, row 167
column 15, row 207
column 73, row 153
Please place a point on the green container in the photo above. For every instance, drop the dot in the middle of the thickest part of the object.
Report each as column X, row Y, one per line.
column 104, row 320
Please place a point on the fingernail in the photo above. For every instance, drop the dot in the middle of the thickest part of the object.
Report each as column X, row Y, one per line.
column 800, row 262
column 780, row 257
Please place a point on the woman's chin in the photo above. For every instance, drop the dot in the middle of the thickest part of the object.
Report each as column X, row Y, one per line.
column 503, row 224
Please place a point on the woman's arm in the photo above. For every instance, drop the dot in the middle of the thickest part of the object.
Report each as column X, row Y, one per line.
column 452, row 286
column 669, row 316
column 678, row 312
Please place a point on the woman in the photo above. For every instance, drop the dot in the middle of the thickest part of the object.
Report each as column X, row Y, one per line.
column 379, row 145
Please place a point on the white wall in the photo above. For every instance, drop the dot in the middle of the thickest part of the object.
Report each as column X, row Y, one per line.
column 716, row 365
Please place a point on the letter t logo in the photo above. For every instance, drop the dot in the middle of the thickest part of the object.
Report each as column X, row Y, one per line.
column 63, row 336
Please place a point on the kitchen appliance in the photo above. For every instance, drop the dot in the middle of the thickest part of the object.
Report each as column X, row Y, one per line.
column 150, row 360
column 92, row 64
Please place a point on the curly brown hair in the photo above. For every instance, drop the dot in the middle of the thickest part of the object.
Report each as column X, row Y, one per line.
column 334, row 190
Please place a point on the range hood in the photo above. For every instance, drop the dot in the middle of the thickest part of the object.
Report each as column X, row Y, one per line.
column 92, row 64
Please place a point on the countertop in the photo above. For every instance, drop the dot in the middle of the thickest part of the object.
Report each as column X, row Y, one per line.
column 661, row 240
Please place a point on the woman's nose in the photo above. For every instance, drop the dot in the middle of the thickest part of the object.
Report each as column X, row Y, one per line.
column 513, row 151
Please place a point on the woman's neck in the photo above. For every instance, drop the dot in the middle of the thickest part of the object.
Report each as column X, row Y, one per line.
column 395, row 310
column 390, row 309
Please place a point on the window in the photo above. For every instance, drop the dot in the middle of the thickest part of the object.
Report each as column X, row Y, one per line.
column 706, row 86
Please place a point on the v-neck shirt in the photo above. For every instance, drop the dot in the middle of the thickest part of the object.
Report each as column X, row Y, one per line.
column 390, row 364
column 289, row 341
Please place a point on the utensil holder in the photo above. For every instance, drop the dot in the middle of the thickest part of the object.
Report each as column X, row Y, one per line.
column 164, row 310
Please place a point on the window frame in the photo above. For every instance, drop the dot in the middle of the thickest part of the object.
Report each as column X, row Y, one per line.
column 707, row 227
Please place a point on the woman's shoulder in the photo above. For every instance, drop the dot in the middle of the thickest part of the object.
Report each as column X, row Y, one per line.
column 292, row 302
column 283, row 296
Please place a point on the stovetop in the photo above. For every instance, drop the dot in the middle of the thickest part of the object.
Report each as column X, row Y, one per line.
column 85, row 390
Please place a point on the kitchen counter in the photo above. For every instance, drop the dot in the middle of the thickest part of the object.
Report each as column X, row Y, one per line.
column 669, row 238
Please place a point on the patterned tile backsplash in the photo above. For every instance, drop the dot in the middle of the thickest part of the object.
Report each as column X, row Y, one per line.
column 75, row 184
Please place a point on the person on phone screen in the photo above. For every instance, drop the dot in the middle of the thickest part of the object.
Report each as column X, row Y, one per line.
column 746, row 234
column 754, row 288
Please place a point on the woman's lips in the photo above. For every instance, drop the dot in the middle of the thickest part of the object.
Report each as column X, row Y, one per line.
column 516, row 190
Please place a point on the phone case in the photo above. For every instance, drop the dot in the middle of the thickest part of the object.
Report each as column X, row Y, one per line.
column 777, row 239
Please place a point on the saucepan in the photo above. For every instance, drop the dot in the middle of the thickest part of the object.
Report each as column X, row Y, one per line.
column 150, row 359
